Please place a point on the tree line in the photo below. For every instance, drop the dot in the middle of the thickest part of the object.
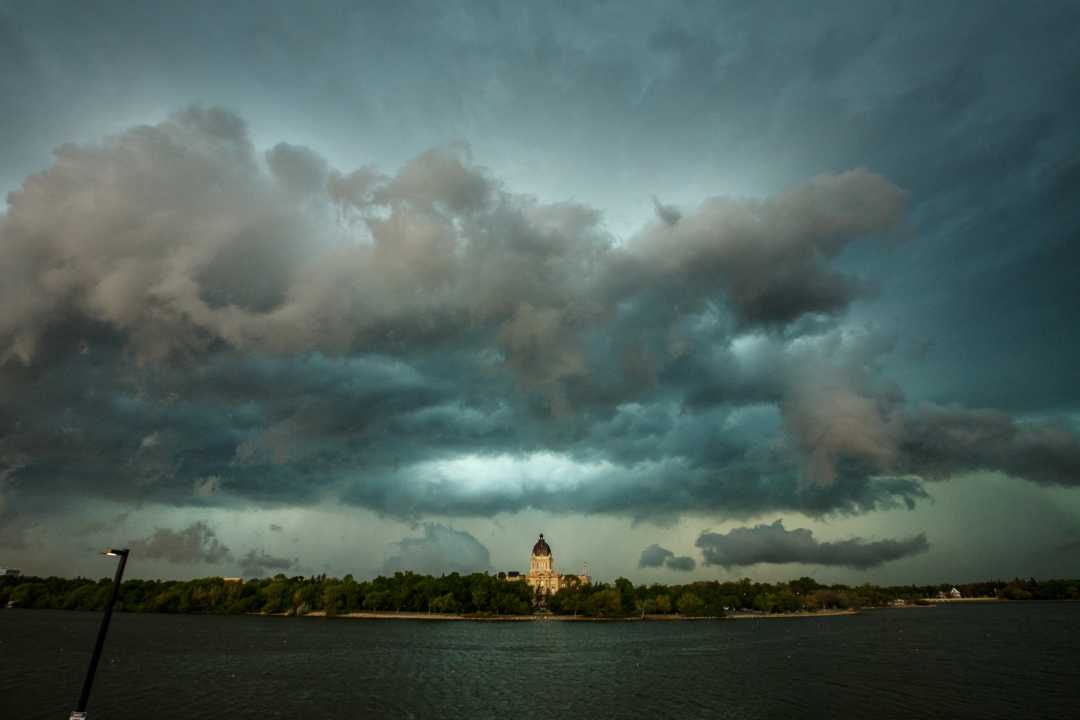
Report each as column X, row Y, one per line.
column 482, row 594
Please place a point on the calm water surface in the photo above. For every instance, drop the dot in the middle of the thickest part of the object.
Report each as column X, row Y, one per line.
column 1010, row 661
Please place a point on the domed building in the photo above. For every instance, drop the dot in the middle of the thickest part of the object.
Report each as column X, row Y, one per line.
column 542, row 575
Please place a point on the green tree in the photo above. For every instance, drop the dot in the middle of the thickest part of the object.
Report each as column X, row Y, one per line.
column 627, row 601
column 446, row 603
column 334, row 598
column 274, row 596
column 377, row 600
column 690, row 604
column 604, row 603
column 481, row 599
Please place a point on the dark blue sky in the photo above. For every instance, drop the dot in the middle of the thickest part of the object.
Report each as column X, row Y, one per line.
column 410, row 282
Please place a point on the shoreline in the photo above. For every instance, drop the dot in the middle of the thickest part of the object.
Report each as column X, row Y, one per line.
column 947, row 601
column 445, row 617
column 769, row 616
column 543, row 617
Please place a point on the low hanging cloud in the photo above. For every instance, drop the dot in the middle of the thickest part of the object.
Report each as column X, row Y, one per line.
column 871, row 428
column 439, row 550
column 190, row 321
column 258, row 563
column 656, row 556
column 194, row 544
column 776, row 545
column 942, row 440
column 198, row 543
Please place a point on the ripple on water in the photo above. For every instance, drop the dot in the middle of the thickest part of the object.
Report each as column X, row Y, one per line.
column 970, row 661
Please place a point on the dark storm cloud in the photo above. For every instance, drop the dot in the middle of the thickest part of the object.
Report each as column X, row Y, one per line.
column 341, row 373
column 944, row 440
column 204, row 251
column 438, row 551
column 657, row 490
column 190, row 319
column 196, row 543
column 656, row 556
column 258, row 563
column 770, row 257
column 832, row 423
column 91, row 527
column 267, row 367
column 775, row 544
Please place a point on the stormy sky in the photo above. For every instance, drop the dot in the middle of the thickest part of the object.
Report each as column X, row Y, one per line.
column 699, row 290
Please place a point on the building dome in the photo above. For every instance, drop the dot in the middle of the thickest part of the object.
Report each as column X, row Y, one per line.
column 541, row 548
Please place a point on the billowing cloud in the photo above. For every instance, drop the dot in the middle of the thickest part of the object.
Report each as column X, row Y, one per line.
column 258, row 563
column 655, row 556
column 439, row 550
column 185, row 244
column 298, row 169
column 875, row 431
column 775, row 544
column 188, row 316
column 943, row 440
column 194, row 544
column 769, row 258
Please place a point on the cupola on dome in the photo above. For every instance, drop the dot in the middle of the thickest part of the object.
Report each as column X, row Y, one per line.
column 541, row 547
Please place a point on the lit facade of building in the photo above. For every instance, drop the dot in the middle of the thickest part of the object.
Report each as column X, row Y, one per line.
column 542, row 575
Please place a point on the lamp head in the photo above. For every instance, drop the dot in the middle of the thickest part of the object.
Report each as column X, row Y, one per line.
column 116, row 553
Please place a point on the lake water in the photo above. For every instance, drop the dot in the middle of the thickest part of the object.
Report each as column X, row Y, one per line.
column 974, row 661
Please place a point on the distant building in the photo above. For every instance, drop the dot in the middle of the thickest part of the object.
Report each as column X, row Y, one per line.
column 10, row 572
column 955, row 594
column 233, row 581
column 542, row 575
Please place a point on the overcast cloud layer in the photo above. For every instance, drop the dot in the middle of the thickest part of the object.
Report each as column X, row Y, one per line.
column 640, row 265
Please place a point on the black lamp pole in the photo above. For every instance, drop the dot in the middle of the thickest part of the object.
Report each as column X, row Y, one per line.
column 79, row 713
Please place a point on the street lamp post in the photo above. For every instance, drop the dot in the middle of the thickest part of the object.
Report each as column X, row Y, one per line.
column 79, row 713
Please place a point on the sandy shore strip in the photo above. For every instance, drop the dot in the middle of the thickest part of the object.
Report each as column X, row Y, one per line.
column 444, row 617
column 770, row 616
column 947, row 601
